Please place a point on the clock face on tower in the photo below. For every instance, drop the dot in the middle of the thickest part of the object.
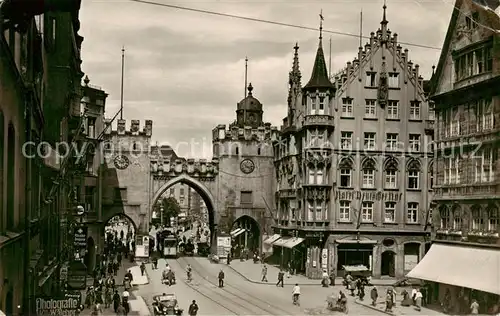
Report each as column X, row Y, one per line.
column 247, row 166
column 121, row 162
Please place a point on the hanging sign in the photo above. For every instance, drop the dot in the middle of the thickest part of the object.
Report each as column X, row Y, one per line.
column 80, row 234
column 77, row 275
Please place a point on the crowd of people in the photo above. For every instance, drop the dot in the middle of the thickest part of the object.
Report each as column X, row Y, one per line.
column 104, row 291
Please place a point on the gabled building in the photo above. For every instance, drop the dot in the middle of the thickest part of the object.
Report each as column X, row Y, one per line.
column 463, row 260
column 353, row 166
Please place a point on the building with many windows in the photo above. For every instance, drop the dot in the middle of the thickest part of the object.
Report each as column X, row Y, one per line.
column 353, row 166
column 463, row 260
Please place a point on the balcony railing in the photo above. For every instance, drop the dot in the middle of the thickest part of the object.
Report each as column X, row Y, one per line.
column 319, row 120
column 467, row 191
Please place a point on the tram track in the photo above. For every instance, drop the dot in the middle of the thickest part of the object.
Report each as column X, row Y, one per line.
column 251, row 303
column 209, row 293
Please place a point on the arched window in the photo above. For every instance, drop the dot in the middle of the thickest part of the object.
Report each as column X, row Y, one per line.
column 258, row 151
column 445, row 215
column 457, row 218
column 477, row 219
column 493, row 219
column 414, row 175
column 368, row 170
column 237, row 151
column 345, row 168
column 391, row 173
column 135, row 146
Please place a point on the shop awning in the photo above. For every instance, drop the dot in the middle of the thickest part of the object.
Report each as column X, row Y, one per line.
column 237, row 232
column 271, row 239
column 281, row 242
column 470, row 267
column 293, row 242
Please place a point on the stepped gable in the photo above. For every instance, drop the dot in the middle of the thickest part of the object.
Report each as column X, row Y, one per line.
column 134, row 130
column 234, row 132
column 382, row 38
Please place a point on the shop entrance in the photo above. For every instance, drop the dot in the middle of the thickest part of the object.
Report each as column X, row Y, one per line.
column 388, row 263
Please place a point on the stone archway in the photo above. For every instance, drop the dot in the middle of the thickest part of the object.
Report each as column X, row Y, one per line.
column 246, row 233
column 202, row 190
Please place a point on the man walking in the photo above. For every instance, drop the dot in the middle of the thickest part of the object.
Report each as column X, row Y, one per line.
column 281, row 276
column 264, row 273
column 193, row 309
column 221, row 278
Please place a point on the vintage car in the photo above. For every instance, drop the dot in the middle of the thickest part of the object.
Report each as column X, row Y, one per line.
column 166, row 304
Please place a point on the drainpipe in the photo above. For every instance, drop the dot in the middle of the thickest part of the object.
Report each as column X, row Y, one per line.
column 27, row 211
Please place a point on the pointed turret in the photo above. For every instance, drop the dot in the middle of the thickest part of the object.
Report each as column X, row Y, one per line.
column 319, row 77
column 383, row 25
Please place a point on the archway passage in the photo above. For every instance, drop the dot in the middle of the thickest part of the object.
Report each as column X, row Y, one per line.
column 246, row 236
column 205, row 196
column 388, row 263
column 119, row 235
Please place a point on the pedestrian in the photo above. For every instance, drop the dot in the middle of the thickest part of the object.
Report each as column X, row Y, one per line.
column 116, row 266
column 474, row 307
column 119, row 258
column 264, row 273
column 414, row 296
column 108, row 297
column 332, row 277
column 389, row 301
column 155, row 263
column 129, row 275
column 418, row 300
column 374, row 296
column 193, row 309
column 116, row 301
column 221, row 278
column 281, row 276
column 143, row 268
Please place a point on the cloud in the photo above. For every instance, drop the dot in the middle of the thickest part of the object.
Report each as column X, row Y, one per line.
column 185, row 70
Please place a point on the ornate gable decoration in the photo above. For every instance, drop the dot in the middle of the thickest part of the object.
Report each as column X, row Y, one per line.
column 413, row 165
column 383, row 88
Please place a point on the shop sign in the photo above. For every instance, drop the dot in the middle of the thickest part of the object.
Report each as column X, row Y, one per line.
column 80, row 234
column 77, row 275
column 324, row 259
column 359, row 195
column 69, row 304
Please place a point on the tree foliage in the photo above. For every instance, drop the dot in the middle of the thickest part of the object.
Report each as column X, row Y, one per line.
column 171, row 207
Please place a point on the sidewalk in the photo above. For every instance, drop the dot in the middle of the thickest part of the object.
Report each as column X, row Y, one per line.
column 252, row 272
column 137, row 304
column 398, row 309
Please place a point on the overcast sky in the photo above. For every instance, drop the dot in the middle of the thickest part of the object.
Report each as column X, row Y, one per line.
column 185, row 70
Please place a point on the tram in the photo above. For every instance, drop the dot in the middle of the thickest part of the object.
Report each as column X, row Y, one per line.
column 170, row 246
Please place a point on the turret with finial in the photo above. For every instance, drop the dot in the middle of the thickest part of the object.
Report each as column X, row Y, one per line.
column 86, row 80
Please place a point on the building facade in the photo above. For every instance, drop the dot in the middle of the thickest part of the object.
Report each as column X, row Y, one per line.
column 353, row 165
column 466, row 216
column 31, row 194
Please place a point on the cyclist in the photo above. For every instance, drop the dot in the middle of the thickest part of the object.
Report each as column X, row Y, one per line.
column 296, row 294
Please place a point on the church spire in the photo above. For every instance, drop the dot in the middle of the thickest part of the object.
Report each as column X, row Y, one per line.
column 383, row 23
column 319, row 76
column 295, row 74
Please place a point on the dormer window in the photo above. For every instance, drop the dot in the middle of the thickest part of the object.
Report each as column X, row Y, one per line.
column 321, row 105
column 313, row 105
